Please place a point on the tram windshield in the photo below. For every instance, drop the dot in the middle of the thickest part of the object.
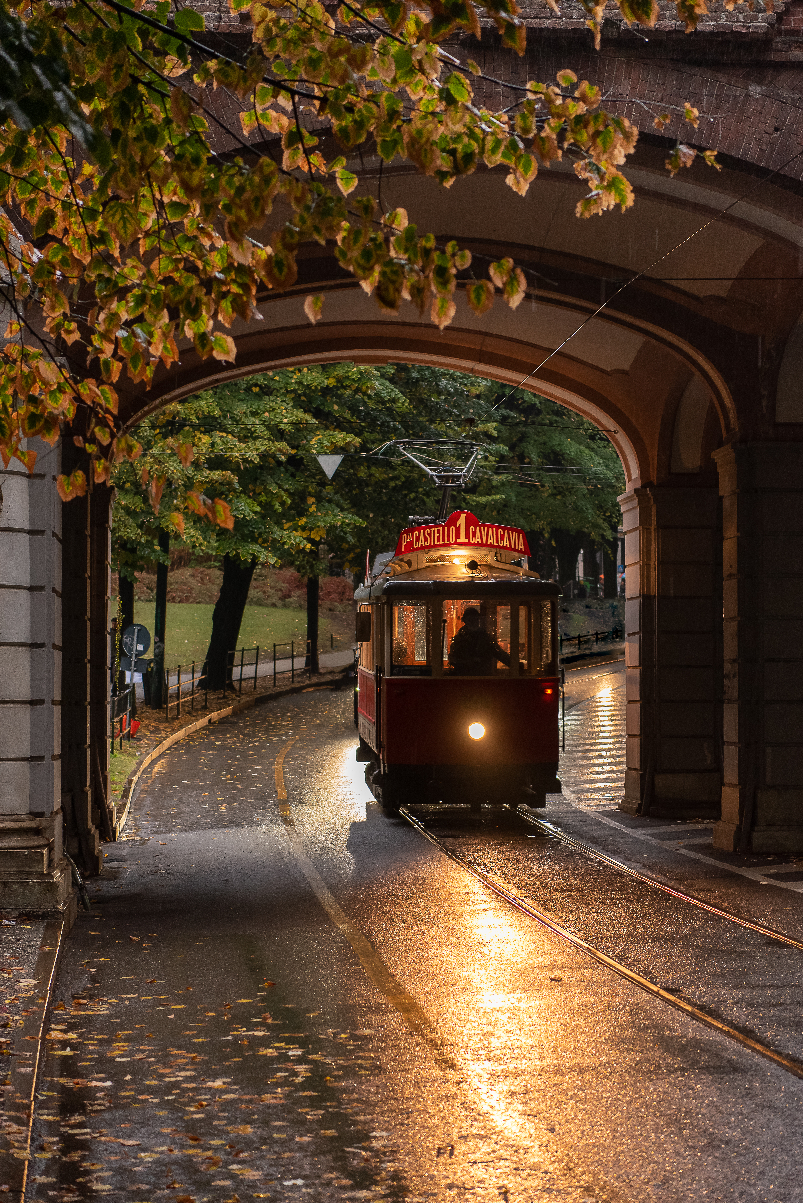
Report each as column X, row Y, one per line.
column 490, row 638
column 471, row 637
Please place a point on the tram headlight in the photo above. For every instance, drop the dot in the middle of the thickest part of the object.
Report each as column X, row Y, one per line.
column 476, row 731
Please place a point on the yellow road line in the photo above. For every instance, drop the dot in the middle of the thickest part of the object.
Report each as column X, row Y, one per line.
column 278, row 777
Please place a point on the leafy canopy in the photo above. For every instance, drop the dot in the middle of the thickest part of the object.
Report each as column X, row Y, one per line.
column 255, row 443
column 126, row 233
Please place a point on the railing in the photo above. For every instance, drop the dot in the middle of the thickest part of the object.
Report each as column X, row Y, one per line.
column 592, row 637
column 190, row 684
column 122, row 723
column 186, row 687
column 231, row 662
column 299, row 649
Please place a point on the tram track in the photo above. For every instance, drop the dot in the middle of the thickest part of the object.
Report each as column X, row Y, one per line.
column 787, row 1063
column 605, row 858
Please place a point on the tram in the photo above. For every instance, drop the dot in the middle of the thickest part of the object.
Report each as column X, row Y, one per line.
column 457, row 682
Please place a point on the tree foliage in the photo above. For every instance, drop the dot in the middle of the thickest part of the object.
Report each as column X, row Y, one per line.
column 255, row 443
column 125, row 235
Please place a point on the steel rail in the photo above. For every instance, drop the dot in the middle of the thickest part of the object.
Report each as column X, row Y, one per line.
column 597, row 854
column 789, row 1064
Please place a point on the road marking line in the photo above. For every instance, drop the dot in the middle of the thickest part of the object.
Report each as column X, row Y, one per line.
column 644, row 835
column 278, row 777
column 376, row 969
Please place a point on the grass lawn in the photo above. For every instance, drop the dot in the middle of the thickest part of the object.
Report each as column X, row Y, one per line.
column 120, row 765
column 189, row 625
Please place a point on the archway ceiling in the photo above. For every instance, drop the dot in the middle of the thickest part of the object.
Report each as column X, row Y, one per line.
column 630, row 365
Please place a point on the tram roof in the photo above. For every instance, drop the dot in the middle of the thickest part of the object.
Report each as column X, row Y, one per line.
column 400, row 587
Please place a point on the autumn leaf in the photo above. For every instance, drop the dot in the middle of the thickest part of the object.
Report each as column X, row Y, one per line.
column 155, row 490
column 168, row 238
column 185, row 451
column 221, row 514
column 313, row 307
column 71, row 486
column 480, row 295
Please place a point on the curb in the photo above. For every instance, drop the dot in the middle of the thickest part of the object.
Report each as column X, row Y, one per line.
column 213, row 716
column 20, row 1099
column 580, row 659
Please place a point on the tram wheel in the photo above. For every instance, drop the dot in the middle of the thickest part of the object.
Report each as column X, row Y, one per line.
column 388, row 798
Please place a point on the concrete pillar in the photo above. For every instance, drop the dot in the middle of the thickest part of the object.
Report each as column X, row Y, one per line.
column 762, row 792
column 35, row 878
column 673, row 651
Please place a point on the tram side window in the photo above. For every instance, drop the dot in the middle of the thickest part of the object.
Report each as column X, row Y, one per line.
column 367, row 648
column 542, row 638
column 524, row 637
column 409, row 640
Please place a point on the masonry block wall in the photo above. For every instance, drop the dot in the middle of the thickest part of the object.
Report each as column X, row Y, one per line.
column 762, row 791
column 673, row 652
column 34, row 875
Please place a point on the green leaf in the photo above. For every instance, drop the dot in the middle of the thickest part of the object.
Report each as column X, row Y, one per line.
column 187, row 20
column 45, row 221
column 457, row 85
column 176, row 210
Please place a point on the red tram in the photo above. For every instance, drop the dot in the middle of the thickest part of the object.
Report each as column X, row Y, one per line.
column 457, row 683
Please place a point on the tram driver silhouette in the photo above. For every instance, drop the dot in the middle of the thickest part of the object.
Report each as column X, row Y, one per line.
column 474, row 653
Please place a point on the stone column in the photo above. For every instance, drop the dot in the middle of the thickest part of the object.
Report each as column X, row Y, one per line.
column 673, row 651
column 100, row 653
column 762, row 792
column 81, row 807
column 35, row 878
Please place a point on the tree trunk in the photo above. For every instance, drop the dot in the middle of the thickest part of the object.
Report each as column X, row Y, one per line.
column 158, row 693
column 313, row 598
column 542, row 557
column 227, row 618
column 609, row 551
column 567, row 549
column 126, row 602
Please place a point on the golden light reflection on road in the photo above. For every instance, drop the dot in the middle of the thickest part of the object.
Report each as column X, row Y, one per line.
column 593, row 764
column 357, row 794
column 508, row 1020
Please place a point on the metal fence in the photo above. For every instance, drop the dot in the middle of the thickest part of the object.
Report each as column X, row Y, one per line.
column 122, row 716
column 186, row 687
column 591, row 637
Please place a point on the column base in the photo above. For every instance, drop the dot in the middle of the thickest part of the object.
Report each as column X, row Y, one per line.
column 683, row 796
column 35, row 877
column 764, row 841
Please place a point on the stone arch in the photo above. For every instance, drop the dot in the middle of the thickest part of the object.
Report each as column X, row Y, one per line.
column 601, row 373
column 691, row 421
column 640, row 370
column 789, row 393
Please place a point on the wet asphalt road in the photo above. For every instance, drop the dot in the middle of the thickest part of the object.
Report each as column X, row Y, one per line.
column 303, row 999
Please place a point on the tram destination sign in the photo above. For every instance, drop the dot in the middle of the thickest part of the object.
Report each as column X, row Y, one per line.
column 462, row 529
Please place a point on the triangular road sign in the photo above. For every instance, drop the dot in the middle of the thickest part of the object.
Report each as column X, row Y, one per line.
column 329, row 463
